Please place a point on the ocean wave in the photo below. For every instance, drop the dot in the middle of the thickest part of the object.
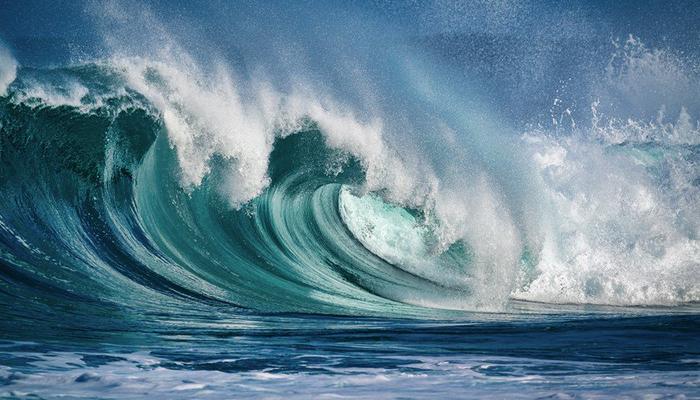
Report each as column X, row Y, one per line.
column 131, row 181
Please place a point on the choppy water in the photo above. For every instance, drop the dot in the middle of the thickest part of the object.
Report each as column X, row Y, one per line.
column 361, row 200
column 580, row 354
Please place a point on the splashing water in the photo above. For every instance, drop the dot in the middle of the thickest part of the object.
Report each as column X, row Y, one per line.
column 198, row 181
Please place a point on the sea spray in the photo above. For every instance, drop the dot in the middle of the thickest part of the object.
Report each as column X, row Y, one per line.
column 8, row 69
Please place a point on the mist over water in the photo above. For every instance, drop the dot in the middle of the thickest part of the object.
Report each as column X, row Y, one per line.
column 189, row 172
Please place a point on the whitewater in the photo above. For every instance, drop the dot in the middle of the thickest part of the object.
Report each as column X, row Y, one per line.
column 364, row 200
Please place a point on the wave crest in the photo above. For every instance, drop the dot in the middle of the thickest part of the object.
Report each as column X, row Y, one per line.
column 150, row 179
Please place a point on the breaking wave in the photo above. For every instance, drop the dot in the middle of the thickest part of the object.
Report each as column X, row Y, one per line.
column 150, row 182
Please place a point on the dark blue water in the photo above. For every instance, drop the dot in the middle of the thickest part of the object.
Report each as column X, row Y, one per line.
column 364, row 200
column 580, row 354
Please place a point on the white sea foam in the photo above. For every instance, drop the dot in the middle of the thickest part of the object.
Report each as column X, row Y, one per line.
column 622, row 205
column 211, row 118
column 8, row 69
column 63, row 374
column 69, row 93
column 613, row 234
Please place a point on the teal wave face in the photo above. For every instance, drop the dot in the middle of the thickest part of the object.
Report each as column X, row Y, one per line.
column 95, row 199
column 286, row 251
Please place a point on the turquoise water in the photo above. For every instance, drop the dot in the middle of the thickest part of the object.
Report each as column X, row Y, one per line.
column 232, row 204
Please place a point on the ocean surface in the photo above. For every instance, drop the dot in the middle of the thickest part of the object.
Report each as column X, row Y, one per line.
column 362, row 200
